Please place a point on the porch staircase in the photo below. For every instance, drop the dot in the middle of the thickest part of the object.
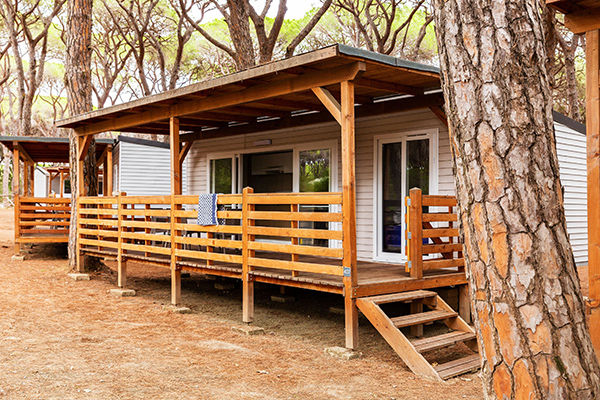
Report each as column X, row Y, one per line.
column 426, row 308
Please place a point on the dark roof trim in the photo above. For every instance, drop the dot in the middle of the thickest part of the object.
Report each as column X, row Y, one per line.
column 143, row 142
column 568, row 122
column 385, row 59
column 46, row 139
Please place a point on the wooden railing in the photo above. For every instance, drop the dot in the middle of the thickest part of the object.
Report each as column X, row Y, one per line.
column 46, row 218
column 432, row 233
column 273, row 231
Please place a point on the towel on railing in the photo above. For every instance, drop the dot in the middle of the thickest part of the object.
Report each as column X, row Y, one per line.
column 207, row 209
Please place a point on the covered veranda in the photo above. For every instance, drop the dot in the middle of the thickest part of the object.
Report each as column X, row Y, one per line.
column 336, row 83
column 46, row 219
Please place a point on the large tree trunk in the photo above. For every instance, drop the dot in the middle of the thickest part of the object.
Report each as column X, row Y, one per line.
column 78, row 80
column 528, row 308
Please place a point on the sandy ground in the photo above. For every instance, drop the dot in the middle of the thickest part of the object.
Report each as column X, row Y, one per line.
column 61, row 339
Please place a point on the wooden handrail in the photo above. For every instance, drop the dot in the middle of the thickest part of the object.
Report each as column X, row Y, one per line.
column 128, row 223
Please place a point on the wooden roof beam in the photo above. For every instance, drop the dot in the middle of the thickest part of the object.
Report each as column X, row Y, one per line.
column 380, row 108
column 267, row 90
column 439, row 112
column 23, row 154
column 330, row 103
column 583, row 20
column 388, row 86
column 84, row 145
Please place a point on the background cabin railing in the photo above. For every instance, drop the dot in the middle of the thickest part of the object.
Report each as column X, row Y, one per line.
column 287, row 232
column 432, row 233
column 43, row 218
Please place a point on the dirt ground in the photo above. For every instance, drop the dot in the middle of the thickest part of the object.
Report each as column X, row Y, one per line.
column 61, row 339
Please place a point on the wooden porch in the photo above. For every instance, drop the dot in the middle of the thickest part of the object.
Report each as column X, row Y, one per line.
column 46, row 219
column 265, row 236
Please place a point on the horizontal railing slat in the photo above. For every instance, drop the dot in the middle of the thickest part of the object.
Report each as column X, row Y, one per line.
column 296, row 232
column 145, row 224
column 99, row 243
column 442, row 248
column 440, row 232
column 98, row 232
column 90, row 221
column 233, row 229
column 299, row 198
column 146, row 249
column 146, row 236
column 443, row 263
column 438, row 201
column 204, row 255
column 49, row 200
column 297, row 249
column 440, row 217
column 295, row 216
column 296, row 266
column 220, row 214
column 232, row 244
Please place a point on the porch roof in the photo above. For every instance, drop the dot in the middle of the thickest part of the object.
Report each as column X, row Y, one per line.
column 48, row 149
column 277, row 93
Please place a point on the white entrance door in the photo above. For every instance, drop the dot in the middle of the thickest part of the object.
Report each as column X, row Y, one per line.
column 402, row 162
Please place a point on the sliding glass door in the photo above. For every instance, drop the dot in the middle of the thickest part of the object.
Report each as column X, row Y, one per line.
column 402, row 163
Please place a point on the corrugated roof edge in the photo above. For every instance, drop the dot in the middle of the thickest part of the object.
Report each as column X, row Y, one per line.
column 143, row 142
column 569, row 122
column 47, row 139
column 385, row 59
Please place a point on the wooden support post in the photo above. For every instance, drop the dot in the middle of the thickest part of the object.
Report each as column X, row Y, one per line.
column 16, row 178
column 108, row 172
column 32, row 179
column 247, row 279
column 593, row 179
column 464, row 303
column 121, row 259
column 176, row 187
column 416, row 233
column 25, row 178
column 62, row 183
column 415, row 308
column 349, row 213
column 295, row 240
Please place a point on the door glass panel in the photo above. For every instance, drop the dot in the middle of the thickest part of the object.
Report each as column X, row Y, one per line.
column 391, row 215
column 417, row 165
column 314, row 176
column 221, row 175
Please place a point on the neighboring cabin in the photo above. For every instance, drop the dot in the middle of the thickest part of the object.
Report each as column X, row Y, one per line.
column 142, row 167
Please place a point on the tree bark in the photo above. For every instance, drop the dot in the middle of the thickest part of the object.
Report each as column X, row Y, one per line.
column 528, row 308
column 78, row 79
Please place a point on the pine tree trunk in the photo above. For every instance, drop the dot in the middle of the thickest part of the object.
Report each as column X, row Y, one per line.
column 528, row 308
column 78, row 80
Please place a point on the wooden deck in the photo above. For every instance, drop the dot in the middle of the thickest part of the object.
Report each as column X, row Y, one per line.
column 373, row 278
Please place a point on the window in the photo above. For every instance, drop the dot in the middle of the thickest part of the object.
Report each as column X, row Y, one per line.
column 221, row 175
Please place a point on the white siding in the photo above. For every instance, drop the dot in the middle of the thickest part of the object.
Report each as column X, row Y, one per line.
column 40, row 183
column 571, row 150
column 144, row 170
column 366, row 130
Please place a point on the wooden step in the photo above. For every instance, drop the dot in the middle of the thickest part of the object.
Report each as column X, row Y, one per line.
column 458, row 367
column 443, row 340
column 401, row 297
column 422, row 318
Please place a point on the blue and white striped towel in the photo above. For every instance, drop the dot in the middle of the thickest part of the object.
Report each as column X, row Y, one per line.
column 207, row 209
